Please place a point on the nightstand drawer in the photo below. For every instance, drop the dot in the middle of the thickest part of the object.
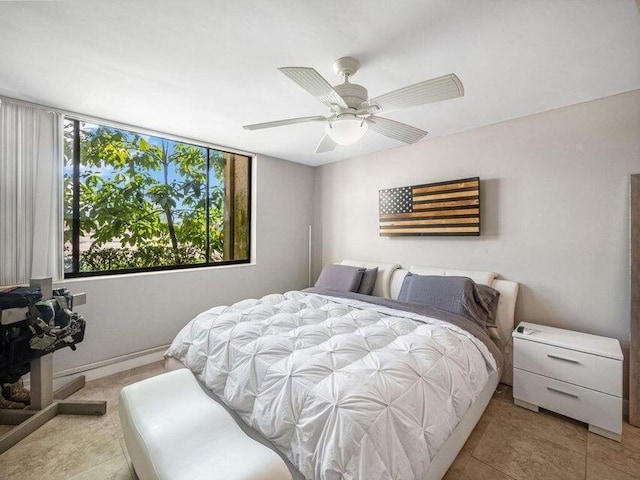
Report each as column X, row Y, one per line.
column 578, row 368
column 594, row 408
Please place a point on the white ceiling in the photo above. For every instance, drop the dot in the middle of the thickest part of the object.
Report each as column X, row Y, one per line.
column 202, row 68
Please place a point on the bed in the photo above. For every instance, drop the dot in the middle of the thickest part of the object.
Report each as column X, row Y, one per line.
column 351, row 386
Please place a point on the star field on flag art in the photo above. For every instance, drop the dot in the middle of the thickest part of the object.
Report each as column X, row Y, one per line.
column 396, row 200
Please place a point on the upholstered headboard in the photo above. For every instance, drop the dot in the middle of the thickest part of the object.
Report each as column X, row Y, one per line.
column 391, row 276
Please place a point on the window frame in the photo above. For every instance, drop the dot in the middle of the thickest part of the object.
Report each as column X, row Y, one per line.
column 75, row 227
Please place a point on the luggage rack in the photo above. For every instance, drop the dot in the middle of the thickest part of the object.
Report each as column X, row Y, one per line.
column 46, row 402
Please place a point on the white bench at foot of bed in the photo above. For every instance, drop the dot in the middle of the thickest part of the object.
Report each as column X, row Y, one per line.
column 175, row 431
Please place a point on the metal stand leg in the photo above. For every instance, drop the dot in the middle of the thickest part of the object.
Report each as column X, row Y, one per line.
column 43, row 406
column 45, row 402
column 41, row 382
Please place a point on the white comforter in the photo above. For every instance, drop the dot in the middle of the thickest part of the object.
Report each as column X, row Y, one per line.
column 345, row 389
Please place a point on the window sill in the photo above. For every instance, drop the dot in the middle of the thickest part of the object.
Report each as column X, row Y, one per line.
column 179, row 271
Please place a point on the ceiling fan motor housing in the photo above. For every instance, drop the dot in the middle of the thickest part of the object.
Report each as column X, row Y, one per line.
column 353, row 95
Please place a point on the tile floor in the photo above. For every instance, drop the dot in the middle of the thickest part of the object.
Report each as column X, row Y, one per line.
column 509, row 443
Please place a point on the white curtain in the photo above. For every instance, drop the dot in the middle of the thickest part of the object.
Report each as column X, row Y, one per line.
column 31, row 179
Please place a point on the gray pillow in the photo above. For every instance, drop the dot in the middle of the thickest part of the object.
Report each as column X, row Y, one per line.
column 368, row 281
column 340, row 277
column 459, row 295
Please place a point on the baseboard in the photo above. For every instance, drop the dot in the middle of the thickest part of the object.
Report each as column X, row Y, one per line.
column 111, row 366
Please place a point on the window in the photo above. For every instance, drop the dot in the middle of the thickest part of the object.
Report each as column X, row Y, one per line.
column 136, row 202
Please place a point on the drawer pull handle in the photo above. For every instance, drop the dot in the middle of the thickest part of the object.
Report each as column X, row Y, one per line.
column 570, row 360
column 572, row 395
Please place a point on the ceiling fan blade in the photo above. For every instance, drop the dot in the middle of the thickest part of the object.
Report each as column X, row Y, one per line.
column 280, row 123
column 434, row 90
column 315, row 84
column 396, row 130
column 326, row 145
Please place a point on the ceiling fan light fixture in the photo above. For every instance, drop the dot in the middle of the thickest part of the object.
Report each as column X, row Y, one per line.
column 347, row 129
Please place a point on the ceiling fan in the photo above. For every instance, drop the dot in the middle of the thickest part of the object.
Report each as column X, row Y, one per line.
column 353, row 113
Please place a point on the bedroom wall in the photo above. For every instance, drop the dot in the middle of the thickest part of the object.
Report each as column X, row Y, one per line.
column 555, row 215
column 130, row 313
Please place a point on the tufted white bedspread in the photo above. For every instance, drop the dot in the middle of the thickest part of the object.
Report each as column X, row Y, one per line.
column 345, row 389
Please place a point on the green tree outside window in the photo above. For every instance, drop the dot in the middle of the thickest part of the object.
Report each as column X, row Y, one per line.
column 143, row 201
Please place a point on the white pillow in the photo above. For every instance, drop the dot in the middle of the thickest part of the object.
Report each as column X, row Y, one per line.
column 484, row 278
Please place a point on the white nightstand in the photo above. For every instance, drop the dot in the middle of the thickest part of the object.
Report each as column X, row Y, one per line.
column 572, row 373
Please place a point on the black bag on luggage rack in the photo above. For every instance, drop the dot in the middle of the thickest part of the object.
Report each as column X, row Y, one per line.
column 18, row 297
column 31, row 328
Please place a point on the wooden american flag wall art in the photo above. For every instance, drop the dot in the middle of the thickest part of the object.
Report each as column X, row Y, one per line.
column 441, row 209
